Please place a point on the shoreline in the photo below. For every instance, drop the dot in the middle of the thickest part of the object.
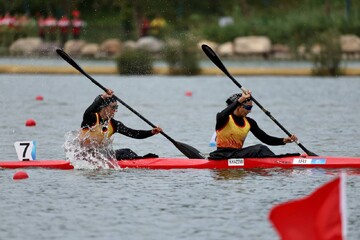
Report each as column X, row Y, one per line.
column 260, row 71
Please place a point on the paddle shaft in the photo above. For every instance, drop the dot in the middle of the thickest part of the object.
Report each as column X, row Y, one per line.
column 184, row 148
column 216, row 60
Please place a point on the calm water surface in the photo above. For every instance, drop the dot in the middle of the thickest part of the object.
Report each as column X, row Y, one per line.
column 171, row 204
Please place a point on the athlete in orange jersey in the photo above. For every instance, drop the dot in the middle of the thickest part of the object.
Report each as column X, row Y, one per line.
column 98, row 126
column 233, row 126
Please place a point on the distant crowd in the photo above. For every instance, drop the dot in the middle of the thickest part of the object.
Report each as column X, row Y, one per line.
column 153, row 27
column 49, row 28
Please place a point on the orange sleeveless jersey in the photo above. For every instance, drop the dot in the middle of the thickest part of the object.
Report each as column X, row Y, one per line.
column 232, row 135
column 97, row 135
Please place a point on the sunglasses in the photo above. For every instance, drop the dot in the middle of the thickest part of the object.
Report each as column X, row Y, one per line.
column 247, row 107
column 114, row 107
column 247, row 100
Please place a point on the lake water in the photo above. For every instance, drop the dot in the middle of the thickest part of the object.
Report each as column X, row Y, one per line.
column 169, row 204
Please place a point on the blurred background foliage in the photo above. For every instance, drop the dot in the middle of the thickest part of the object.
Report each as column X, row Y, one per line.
column 135, row 62
column 284, row 21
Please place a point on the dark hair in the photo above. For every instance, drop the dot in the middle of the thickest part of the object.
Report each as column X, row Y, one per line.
column 107, row 101
column 233, row 98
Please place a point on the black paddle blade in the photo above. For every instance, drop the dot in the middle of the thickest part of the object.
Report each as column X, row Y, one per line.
column 188, row 150
column 214, row 58
column 67, row 58
column 309, row 153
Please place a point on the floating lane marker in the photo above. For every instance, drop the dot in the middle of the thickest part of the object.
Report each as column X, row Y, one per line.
column 20, row 175
column 188, row 93
column 30, row 123
column 39, row 98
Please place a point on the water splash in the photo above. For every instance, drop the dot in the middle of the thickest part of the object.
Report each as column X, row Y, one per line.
column 88, row 158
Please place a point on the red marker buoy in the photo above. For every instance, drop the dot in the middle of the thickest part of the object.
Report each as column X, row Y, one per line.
column 30, row 123
column 188, row 93
column 39, row 98
column 20, row 175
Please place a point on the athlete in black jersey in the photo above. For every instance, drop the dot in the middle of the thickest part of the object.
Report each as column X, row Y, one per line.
column 232, row 127
column 98, row 126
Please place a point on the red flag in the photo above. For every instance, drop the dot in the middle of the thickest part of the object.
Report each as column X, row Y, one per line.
column 319, row 216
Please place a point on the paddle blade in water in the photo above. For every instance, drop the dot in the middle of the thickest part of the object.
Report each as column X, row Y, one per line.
column 189, row 151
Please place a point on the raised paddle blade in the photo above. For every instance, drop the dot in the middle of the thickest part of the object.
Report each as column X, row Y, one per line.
column 67, row 58
column 216, row 60
column 187, row 150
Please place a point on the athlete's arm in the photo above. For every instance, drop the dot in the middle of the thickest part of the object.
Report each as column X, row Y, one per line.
column 262, row 136
column 139, row 134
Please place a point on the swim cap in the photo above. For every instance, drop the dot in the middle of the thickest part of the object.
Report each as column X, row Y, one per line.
column 233, row 98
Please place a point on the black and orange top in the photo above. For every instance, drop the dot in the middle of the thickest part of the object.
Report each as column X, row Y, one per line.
column 231, row 130
column 97, row 130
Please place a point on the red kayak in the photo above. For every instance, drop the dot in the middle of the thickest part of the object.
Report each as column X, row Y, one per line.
column 183, row 163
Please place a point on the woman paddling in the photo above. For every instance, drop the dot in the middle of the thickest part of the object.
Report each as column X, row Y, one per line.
column 98, row 126
column 232, row 127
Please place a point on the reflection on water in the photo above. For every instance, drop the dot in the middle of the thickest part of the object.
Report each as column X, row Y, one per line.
column 237, row 174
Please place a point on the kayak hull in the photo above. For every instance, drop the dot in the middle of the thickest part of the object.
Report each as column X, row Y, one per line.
column 184, row 163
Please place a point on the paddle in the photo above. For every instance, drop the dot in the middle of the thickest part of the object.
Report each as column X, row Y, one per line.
column 187, row 150
column 216, row 60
